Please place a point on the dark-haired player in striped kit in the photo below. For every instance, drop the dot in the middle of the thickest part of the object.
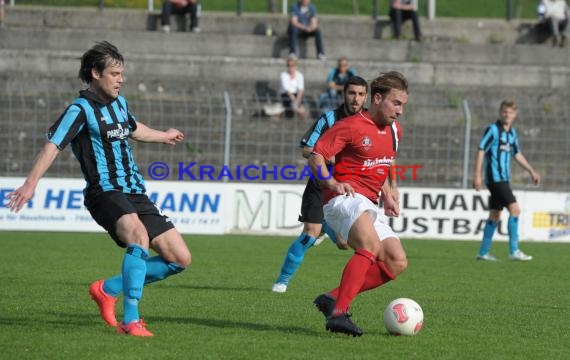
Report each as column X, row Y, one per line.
column 499, row 143
column 98, row 125
column 355, row 93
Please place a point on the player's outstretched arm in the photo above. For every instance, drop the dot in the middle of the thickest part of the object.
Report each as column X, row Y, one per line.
column 477, row 182
column 519, row 157
column 145, row 134
column 19, row 197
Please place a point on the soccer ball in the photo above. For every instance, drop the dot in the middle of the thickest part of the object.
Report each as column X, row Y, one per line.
column 403, row 316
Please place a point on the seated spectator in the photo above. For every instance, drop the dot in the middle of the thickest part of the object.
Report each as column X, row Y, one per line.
column 292, row 88
column 402, row 10
column 555, row 14
column 336, row 79
column 180, row 7
column 304, row 23
column 2, row 25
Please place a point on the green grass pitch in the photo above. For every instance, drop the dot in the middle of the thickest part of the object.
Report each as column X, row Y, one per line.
column 223, row 308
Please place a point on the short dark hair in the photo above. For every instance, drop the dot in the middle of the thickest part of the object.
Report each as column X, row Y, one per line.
column 99, row 57
column 388, row 81
column 356, row 80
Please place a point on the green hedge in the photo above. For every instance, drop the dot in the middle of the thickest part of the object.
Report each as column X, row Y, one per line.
column 445, row 8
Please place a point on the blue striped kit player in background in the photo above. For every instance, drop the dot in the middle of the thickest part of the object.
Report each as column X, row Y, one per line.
column 355, row 94
column 98, row 125
column 500, row 142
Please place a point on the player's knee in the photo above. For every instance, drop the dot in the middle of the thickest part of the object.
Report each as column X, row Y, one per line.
column 515, row 210
column 495, row 216
column 184, row 259
column 398, row 265
column 138, row 235
column 132, row 231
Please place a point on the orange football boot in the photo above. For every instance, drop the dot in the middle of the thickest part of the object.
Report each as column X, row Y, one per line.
column 135, row 328
column 105, row 302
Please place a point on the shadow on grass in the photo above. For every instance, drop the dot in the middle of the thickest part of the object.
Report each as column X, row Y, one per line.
column 60, row 320
column 215, row 288
column 225, row 324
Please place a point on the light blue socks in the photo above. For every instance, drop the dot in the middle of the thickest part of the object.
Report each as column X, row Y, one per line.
column 134, row 273
column 295, row 257
column 488, row 232
column 513, row 227
column 156, row 269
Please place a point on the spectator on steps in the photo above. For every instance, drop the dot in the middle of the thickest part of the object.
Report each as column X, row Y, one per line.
column 292, row 89
column 555, row 15
column 402, row 10
column 304, row 23
column 181, row 7
column 2, row 24
column 336, row 79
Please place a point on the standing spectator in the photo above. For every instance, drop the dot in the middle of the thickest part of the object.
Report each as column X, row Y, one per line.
column 292, row 89
column 2, row 25
column 181, row 7
column 499, row 143
column 304, row 23
column 555, row 15
column 336, row 80
column 402, row 10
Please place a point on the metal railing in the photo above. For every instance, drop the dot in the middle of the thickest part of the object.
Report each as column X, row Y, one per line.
column 231, row 128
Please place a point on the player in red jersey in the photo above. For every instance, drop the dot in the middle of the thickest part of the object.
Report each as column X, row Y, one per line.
column 364, row 147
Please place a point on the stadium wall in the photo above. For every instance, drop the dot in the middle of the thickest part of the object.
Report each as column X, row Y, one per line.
column 218, row 208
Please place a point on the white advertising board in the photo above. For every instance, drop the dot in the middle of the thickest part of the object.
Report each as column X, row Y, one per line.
column 58, row 205
column 217, row 208
column 461, row 215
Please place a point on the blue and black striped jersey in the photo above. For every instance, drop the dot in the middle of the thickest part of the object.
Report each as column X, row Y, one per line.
column 322, row 124
column 499, row 146
column 98, row 133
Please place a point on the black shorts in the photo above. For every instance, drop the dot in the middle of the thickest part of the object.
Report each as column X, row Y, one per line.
column 107, row 207
column 312, row 205
column 501, row 195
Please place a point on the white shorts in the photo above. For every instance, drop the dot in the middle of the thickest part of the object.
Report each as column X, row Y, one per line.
column 342, row 211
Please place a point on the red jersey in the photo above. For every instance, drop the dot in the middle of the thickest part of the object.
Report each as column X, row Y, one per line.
column 363, row 152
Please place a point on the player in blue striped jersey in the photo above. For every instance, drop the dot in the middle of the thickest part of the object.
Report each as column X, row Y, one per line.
column 98, row 125
column 355, row 94
column 499, row 143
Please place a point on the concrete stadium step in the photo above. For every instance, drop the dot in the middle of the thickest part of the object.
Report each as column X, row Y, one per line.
column 480, row 31
column 224, row 68
column 245, row 45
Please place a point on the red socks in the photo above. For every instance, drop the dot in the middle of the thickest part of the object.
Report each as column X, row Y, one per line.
column 378, row 274
column 353, row 278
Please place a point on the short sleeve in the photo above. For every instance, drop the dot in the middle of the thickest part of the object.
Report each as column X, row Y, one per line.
column 516, row 144
column 295, row 10
column 334, row 140
column 488, row 138
column 330, row 77
column 66, row 128
column 314, row 132
column 313, row 10
column 300, row 81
